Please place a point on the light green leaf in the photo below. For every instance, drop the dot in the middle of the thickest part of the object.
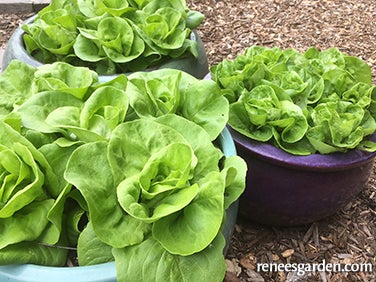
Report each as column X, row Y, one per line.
column 148, row 261
column 240, row 120
column 133, row 143
column 13, row 90
column 193, row 228
column 154, row 96
column 35, row 110
column 292, row 123
column 26, row 224
column 33, row 253
column 107, row 101
column 234, row 172
column 87, row 50
column 162, row 187
column 194, row 19
column 16, row 195
column 63, row 77
column 89, row 170
column 207, row 154
column 359, row 69
column 10, row 138
column 91, row 250
column 210, row 111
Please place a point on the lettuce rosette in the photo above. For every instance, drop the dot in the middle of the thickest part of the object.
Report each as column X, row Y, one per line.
column 52, row 35
column 108, row 38
column 171, row 195
column 304, row 103
column 31, row 196
column 166, row 91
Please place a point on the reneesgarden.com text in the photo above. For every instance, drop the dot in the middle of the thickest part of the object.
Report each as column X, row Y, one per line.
column 303, row 268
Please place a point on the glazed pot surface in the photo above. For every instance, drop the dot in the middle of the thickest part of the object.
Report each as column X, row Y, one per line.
column 286, row 190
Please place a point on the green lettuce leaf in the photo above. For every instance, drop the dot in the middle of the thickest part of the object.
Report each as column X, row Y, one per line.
column 91, row 250
column 147, row 262
column 114, row 38
column 110, row 223
column 33, row 253
column 13, row 90
column 198, row 223
column 99, row 7
column 169, row 91
column 26, row 224
column 162, row 187
column 64, row 78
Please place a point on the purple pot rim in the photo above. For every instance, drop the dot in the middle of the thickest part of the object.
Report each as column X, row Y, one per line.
column 314, row 162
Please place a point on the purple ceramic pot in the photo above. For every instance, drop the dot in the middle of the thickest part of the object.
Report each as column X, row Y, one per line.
column 286, row 190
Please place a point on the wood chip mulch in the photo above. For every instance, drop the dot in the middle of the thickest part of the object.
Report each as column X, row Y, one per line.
column 232, row 25
column 229, row 27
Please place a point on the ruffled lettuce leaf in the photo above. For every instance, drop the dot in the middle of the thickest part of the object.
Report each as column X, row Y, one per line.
column 86, row 116
column 169, row 91
column 146, row 261
column 109, row 222
column 317, row 101
column 113, row 38
column 13, row 90
column 99, row 7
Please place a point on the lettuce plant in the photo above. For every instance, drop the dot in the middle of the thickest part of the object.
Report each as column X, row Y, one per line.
column 161, row 92
column 172, row 197
column 128, row 171
column 304, row 103
column 112, row 36
column 30, row 200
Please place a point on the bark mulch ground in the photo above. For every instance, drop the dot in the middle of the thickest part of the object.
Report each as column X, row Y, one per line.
column 347, row 237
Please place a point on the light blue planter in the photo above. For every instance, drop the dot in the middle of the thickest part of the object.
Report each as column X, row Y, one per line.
column 35, row 273
column 105, row 272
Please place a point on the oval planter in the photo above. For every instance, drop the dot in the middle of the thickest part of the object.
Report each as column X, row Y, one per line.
column 198, row 67
column 106, row 272
column 286, row 190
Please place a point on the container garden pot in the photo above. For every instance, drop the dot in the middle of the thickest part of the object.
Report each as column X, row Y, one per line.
column 106, row 272
column 287, row 190
column 304, row 123
column 118, row 173
column 196, row 66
